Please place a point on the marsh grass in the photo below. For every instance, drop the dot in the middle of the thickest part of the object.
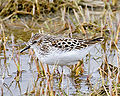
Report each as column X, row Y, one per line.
column 79, row 19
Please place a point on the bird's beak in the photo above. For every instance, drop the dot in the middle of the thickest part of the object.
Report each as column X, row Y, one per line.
column 27, row 47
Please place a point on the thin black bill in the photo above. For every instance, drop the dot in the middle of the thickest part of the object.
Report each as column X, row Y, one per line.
column 27, row 47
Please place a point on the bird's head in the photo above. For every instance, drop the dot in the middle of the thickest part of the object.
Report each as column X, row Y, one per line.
column 36, row 38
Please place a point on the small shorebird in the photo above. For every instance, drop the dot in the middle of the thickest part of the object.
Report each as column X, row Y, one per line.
column 60, row 50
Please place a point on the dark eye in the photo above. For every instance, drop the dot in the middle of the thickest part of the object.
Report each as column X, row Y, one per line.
column 34, row 42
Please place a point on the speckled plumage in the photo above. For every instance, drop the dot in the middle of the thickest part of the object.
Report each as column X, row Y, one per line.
column 60, row 50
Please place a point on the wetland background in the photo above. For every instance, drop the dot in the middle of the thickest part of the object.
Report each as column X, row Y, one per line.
column 98, row 74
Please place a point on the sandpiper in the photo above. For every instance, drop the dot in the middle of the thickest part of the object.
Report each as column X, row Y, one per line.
column 60, row 50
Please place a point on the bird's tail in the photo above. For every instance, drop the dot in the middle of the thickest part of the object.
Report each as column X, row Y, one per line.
column 94, row 41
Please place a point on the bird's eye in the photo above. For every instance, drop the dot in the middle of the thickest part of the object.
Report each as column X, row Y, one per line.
column 34, row 42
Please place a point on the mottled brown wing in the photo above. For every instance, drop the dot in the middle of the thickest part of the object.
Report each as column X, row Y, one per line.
column 70, row 44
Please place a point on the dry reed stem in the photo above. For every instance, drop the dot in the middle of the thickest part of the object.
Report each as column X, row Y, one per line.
column 60, row 80
column 48, row 71
column 117, row 48
column 17, row 54
column 47, row 87
column 1, row 91
column 4, row 44
column 118, row 75
column 0, row 39
column 118, row 30
column 17, row 65
column 81, row 11
column 101, row 74
column 17, row 12
column 36, row 62
column 51, row 84
column 106, row 90
column 77, row 18
column 43, row 69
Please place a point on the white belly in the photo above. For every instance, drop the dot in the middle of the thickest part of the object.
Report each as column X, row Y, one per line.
column 63, row 57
